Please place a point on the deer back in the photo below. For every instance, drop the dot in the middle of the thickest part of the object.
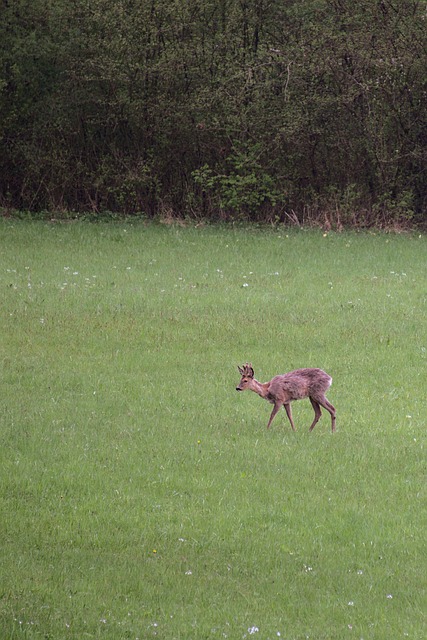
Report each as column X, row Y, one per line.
column 299, row 384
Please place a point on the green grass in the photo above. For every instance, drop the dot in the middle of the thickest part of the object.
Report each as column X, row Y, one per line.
column 142, row 497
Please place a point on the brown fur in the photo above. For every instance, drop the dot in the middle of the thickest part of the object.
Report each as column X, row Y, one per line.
column 295, row 385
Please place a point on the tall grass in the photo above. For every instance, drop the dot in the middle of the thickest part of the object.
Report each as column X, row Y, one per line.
column 142, row 497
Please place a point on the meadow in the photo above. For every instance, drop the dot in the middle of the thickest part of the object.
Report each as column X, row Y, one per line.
column 142, row 497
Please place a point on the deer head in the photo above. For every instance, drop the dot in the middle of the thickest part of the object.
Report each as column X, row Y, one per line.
column 247, row 374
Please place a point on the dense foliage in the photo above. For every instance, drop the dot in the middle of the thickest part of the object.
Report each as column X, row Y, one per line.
column 266, row 109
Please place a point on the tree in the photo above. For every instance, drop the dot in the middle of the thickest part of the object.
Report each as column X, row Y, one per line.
column 217, row 108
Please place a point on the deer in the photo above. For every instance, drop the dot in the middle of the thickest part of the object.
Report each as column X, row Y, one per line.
column 295, row 385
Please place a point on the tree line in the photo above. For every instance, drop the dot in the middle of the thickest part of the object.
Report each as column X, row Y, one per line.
column 269, row 110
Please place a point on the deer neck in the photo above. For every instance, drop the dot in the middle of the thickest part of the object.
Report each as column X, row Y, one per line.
column 260, row 388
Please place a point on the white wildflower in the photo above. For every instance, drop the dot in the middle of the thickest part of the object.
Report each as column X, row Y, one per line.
column 252, row 630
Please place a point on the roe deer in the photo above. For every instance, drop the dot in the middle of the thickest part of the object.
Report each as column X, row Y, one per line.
column 295, row 385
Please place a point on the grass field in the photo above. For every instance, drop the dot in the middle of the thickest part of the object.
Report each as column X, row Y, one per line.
column 142, row 497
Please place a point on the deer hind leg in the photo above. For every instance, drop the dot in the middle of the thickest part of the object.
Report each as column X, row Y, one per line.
column 289, row 413
column 317, row 412
column 324, row 402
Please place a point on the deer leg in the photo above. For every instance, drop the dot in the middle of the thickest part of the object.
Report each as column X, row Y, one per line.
column 317, row 412
column 289, row 413
column 324, row 402
column 273, row 413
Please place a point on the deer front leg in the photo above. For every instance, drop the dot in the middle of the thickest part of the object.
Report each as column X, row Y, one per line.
column 273, row 413
column 289, row 412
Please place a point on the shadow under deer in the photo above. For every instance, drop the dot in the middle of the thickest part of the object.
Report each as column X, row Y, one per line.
column 295, row 385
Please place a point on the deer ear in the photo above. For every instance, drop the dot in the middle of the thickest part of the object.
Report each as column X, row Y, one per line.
column 240, row 370
column 251, row 371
